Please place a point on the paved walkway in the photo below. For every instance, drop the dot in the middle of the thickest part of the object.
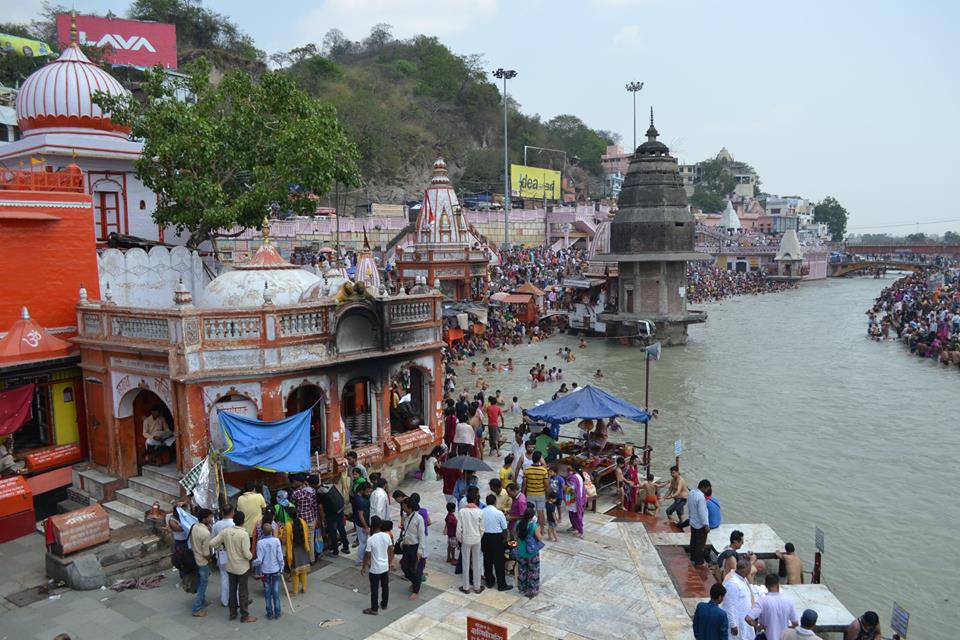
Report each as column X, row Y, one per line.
column 610, row 585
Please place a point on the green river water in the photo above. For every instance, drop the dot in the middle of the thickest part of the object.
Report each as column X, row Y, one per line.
column 800, row 421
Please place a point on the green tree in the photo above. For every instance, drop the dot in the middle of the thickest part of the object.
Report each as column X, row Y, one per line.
column 951, row 237
column 706, row 200
column 917, row 237
column 832, row 213
column 237, row 151
column 717, row 178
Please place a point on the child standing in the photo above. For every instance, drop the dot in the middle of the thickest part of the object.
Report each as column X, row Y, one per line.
column 553, row 508
column 378, row 556
column 269, row 561
column 298, row 551
column 450, row 525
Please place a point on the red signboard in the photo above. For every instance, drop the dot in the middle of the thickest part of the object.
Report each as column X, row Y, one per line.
column 15, row 496
column 80, row 529
column 141, row 44
column 478, row 629
column 52, row 457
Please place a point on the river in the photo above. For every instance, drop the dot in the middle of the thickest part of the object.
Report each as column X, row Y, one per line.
column 800, row 421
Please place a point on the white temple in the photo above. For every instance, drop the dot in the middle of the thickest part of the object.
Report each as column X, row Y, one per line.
column 730, row 220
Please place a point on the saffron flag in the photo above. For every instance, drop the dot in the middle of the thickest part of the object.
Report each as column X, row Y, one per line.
column 281, row 445
column 16, row 408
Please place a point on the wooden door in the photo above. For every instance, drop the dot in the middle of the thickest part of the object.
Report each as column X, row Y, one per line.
column 97, row 429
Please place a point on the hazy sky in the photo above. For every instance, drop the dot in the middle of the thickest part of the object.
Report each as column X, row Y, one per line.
column 856, row 99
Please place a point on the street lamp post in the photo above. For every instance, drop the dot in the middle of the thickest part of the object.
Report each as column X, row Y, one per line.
column 505, row 74
column 634, row 87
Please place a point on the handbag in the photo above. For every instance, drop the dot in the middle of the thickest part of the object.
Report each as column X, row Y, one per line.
column 398, row 545
column 588, row 486
column 533, row 544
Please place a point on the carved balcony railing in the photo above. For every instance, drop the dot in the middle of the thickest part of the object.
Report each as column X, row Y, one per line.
column 239, row 328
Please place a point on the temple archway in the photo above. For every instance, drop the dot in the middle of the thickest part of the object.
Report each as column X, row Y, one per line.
column 301, row 399
column 135, row 406
column 358, row 409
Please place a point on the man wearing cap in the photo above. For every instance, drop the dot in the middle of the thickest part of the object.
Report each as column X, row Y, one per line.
column 805, row 631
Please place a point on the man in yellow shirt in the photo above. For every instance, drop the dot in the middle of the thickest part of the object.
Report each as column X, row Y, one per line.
column 504, row 501
column 535, row 485
column 251, row 504
column 156, row 429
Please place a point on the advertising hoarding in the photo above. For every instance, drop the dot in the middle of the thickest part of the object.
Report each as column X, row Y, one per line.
column 534, row 182
column 133, row 42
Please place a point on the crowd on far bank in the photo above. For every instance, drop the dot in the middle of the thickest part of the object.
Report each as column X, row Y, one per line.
column 540, row 266
column 710, row 284
column 923, row 310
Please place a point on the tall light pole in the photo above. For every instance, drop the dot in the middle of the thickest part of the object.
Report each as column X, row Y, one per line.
column 634, row 87
column 505, row 74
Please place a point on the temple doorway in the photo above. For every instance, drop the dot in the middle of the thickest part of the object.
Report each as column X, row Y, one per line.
column 301, row 399
column 409, row 399
column 138, row 406
column 357, row 410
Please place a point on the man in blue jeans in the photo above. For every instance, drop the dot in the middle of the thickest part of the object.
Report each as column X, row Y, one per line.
column 200, row 543
column 270, row 560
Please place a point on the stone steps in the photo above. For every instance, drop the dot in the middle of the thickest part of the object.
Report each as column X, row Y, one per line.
column 163, row 490
column 140, row 501
column 167, row 473
column 123, row 512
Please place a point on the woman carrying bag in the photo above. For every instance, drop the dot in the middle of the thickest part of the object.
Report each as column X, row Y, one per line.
column 530, row 542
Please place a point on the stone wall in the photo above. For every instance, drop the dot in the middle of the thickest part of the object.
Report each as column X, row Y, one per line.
column 147, row 280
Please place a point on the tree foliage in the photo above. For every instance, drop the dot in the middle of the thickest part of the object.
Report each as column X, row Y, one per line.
column 832, row 213
column 917, row 237
column 951, row 237
column 240, row 149
column 706, row 200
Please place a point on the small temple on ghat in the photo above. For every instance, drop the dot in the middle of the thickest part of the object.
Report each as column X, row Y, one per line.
column 266, row 340
column 445, row 252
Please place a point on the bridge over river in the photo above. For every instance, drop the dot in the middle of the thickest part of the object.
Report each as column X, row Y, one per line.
column 842, row 269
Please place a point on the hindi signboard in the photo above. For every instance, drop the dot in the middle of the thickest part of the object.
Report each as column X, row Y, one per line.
column 478, row 629
column 900, row 620
column 15, row 496
column 52, row 457
column 80, row 529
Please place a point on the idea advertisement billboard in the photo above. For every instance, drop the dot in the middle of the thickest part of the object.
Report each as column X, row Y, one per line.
column 534, row 182
column 133, row 42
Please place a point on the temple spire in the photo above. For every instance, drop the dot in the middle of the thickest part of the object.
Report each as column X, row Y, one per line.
column 73, row 27
column 652, row 132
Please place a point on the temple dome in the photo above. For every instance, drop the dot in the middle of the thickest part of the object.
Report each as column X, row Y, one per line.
column 245, row 285
column 60, row 94
column 441, row 218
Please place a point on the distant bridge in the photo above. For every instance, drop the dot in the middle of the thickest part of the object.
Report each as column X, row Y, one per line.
column 926, row 248
column 841, row 269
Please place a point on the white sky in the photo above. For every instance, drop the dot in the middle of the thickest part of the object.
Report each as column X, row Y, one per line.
column 855, row 99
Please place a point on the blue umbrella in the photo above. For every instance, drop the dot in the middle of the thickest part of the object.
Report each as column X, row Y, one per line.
column 589, row 403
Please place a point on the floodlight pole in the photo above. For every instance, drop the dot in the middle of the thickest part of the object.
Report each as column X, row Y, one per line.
column 505, row 74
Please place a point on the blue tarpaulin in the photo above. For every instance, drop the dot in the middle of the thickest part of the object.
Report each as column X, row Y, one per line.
column 589, row 403
column 282, row 445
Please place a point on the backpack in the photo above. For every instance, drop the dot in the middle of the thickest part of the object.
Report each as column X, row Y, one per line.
column 182, row 557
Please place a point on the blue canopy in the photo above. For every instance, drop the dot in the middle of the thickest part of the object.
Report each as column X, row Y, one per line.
column 589, row 403
column 282, row 445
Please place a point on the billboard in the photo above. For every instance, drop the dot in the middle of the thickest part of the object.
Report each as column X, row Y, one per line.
column 135, row 43
column 534, row 182
column 23, row 46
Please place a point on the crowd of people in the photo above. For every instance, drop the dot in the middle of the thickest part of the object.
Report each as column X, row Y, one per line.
column 923, row 310
column 540, row 266
column 710, row 284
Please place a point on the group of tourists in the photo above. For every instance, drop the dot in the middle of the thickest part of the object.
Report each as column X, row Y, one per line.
column 923, row 310
column 711, row 283
column 540, row 266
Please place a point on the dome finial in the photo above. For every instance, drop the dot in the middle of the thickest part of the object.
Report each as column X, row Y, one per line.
column 265, row 230
column 73, row 27
column 652, row 132
column 366, row 243
column 651, row 115
column 24, row 314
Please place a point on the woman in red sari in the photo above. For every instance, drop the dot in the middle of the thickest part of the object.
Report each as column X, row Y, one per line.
column 631, row 483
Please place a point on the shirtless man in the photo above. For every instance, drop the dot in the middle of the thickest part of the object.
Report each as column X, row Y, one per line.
column 651, row 498
column 791, row 563
column 678, row 493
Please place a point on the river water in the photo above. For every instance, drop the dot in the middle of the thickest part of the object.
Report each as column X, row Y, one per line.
column 800, row 421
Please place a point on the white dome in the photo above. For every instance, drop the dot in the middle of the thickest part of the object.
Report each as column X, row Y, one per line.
column 244, row 286
column 60, row 94
column 441, row 218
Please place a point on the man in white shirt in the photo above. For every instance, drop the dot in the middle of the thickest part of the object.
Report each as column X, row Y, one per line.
column 218, row 526
column 774, row 611
column 492, row 545
column 739, row 600
column 464, row 438
column 470, row 534
column 379, row 504
column 378, row 557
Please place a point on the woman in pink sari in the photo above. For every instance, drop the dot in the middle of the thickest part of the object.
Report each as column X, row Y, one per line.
column 579, row 502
